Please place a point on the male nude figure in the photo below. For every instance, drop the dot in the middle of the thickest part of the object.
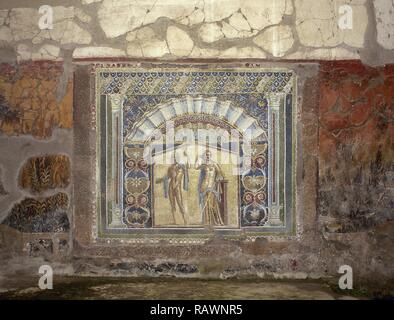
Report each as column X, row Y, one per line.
column 176, row 177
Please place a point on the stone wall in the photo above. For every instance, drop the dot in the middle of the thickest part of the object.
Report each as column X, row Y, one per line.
column 347, row 212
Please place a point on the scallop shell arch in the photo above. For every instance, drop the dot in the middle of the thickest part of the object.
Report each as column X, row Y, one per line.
column 236, row 117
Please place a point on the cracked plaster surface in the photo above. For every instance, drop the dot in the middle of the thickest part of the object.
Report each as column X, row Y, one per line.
column 325, row 53
column 277, row 40
column 85, row 2
column 287, row 29
column 89, row 52
column 179, row 42
column 317, row 23
column 118, row 17
column 46, row 52
column 66, row 28
column 144, row 43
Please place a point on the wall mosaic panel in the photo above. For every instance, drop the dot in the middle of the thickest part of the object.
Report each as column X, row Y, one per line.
column 46, row 172
column 40, row 215
column 195, row 152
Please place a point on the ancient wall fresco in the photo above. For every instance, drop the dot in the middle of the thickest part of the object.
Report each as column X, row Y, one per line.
column 354, row 151
column 46, row 172
column 356, row 155
column 355, row 185
column 35, row 100
column 30, row 102
column 40, row 215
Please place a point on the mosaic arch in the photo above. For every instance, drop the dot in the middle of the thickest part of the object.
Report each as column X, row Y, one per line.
column 195, row 152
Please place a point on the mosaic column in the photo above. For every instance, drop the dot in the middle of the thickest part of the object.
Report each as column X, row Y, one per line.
column 274, row 102
column 114, row 155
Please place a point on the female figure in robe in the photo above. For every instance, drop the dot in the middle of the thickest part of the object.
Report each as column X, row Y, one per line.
column 209, row 191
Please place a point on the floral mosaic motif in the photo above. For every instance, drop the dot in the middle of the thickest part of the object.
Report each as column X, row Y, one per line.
column 40, row 215
column 136, row 184
column 253, row 189
column 46, row 172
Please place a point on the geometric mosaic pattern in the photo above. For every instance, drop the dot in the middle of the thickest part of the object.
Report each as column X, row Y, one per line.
column 195, row 152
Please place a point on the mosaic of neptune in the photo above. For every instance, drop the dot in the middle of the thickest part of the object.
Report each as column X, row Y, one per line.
column 209, row 190
column 197, row 166
column 189, row 151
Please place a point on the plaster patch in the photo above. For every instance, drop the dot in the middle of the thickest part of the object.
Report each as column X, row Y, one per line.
column 243, row 53
column 216, row 10
column 238, row 21
column 231, row 32
column 146, row 44
column 5, row 35
column 3, row 17
column 117, row 17
column 210, row 32
column 90, row 52
column 179, row 42
column 384, row 12
column 261, row 14
column 198, row 52
column 277, row 40
column 46, row 52
column 24, row 25
column 325, row 54
column 195, row 17
column 85, row 2
column 317, row 23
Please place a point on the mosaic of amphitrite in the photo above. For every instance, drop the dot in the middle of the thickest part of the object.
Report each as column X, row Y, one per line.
column 195, row 151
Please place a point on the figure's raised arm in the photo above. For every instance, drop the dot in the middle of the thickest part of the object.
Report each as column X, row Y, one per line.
column 219, row 172
column 197, row 164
